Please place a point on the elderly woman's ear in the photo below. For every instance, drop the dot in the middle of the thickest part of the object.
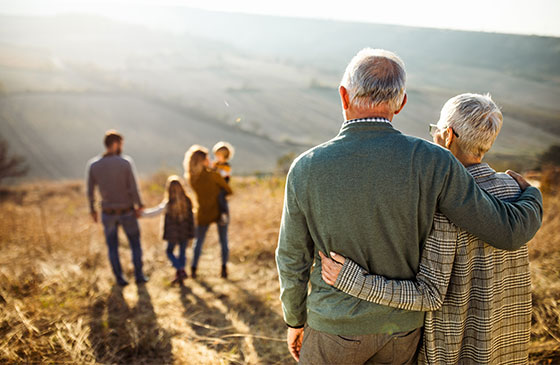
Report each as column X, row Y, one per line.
column 449, row 138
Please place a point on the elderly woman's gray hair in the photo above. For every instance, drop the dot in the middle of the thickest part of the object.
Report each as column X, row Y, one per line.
column 475, row 118
column 373, row 77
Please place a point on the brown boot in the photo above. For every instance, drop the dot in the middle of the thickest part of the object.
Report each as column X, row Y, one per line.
column 193, row 272
column 224, row 271
column 177, row 279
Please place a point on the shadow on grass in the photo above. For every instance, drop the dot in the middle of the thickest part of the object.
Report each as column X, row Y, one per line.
column 210, row 325
column 128, row 335
column 264, row 323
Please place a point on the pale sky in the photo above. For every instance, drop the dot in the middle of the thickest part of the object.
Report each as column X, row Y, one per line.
column 541, row 17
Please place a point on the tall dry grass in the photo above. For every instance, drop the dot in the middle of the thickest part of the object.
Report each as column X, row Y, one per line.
column 58, row 302
column 544, row 255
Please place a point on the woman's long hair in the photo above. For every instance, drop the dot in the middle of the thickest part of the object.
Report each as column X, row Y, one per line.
column 177, row 200
column 193, row 164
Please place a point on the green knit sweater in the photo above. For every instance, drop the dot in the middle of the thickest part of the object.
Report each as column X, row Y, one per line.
column 370, row 194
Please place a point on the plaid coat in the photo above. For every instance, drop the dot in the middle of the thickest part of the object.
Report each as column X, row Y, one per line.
column 478, row 297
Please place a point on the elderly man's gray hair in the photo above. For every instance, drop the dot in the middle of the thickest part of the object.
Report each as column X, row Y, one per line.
column 475, row 118
column 373, row 77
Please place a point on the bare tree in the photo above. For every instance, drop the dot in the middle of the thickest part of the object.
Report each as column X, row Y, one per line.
column 11, row 165
column 551, row 157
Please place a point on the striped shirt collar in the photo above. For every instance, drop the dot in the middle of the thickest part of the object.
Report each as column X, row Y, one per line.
column 366, row 120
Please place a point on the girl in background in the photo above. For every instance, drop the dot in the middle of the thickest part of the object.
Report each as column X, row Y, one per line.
column 207, row 185
column 178, row 224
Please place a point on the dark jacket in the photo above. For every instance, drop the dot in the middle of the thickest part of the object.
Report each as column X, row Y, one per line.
column 176, row 230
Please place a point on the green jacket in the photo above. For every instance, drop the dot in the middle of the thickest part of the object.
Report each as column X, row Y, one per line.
column 370, row 194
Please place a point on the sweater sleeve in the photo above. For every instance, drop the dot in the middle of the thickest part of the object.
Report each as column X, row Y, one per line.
column 503, row 225
column 426, row 292
column 294, row 257
column 133, row 185
column 90, row 183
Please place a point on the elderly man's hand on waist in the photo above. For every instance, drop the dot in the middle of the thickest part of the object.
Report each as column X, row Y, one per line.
column 523, row 184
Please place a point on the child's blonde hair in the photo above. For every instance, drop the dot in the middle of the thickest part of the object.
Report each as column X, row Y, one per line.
column 224, row 147
column 178, row 202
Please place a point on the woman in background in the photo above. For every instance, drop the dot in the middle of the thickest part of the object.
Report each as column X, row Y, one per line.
column 207, row 185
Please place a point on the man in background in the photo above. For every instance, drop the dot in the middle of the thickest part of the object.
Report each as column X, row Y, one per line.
column 121, row 204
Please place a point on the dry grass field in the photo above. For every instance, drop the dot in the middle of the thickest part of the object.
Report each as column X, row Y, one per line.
column 59, row 304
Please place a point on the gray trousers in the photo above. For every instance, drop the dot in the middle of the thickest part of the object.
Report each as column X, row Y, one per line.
column 324, row 348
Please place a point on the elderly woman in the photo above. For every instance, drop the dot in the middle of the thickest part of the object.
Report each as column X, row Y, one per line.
column 207, row 185
column 478, row 298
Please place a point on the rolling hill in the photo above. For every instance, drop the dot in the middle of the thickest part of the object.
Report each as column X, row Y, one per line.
column 266, row 84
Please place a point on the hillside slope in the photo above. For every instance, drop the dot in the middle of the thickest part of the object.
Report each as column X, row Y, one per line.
column 266, row 84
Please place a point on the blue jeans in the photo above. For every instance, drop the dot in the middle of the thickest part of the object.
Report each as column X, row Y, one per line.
column 177, row 262
column 130, row 225
column 201, row 234
column 222, row 202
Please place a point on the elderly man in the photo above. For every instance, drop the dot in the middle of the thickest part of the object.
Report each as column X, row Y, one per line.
column 114, row 175
column 371, row 194
column 481, row 296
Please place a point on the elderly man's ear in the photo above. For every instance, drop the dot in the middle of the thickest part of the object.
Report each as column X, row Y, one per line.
column 344, row 97
column 404, row 100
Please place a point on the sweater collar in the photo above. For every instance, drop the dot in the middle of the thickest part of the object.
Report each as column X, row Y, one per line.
column 368, row 123
column 366, row 120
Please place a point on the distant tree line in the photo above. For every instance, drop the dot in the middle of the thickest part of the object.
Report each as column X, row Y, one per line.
column 550, row 157
column 549, row 164
column 11, row 165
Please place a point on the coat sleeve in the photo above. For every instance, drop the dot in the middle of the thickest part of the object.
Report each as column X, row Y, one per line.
column 155, row 211
column 222, row 182
column 190, row 218
column 426, row 292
